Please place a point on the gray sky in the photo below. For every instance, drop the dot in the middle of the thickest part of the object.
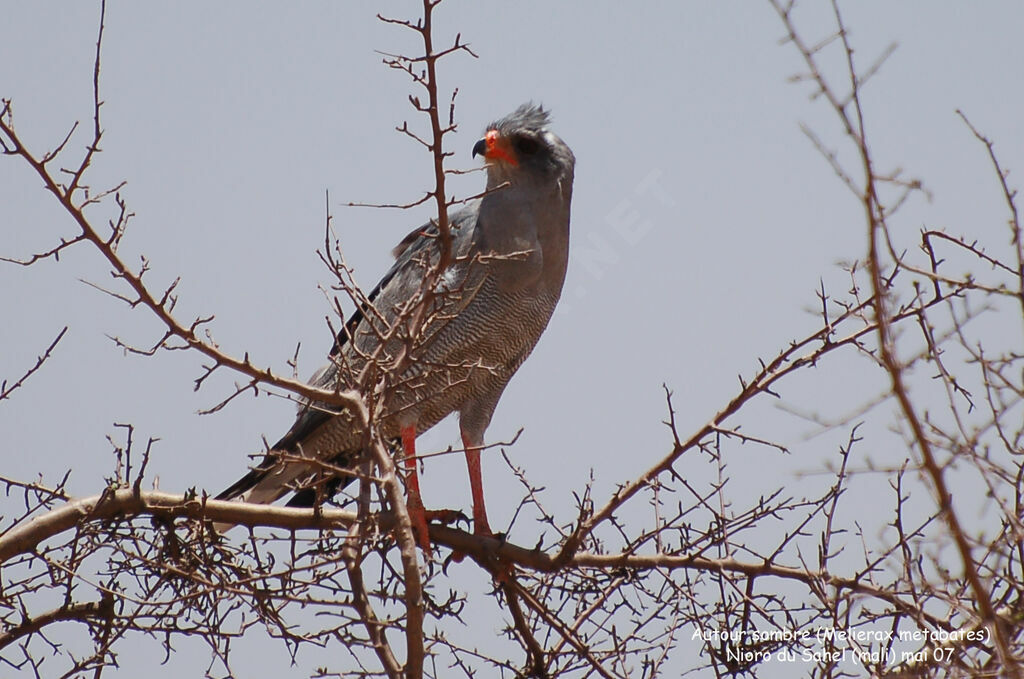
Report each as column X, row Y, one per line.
column 703, row 218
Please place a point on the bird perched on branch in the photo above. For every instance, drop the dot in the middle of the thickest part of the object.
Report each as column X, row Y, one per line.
column 431, row 342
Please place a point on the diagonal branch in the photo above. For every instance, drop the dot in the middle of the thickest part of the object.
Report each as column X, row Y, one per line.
column 6, row 391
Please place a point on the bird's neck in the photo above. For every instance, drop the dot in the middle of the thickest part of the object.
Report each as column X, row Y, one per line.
column 530, row 226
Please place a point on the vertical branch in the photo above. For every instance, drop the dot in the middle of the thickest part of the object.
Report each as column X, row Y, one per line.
column 375, row 629
column 417, row 313
column 537, row 662
column 874, row 213
column 97, row 134
column 407, row 549
column 437, row 135
column 1010, row 195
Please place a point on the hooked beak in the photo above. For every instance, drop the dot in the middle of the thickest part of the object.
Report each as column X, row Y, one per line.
column 480, row 148
column 495, row 147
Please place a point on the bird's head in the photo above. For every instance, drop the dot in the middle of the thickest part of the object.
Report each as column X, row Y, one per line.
column 519, row 148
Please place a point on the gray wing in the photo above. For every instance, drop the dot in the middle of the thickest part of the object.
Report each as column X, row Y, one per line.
column 400, row 281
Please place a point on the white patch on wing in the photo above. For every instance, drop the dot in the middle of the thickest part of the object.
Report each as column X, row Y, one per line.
column 447, row 281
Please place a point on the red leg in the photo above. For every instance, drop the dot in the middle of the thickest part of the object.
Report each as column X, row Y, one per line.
column 476, row 483
column 415, row 500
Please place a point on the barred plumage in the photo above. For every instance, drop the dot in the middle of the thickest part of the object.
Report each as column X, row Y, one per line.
column 510, row 251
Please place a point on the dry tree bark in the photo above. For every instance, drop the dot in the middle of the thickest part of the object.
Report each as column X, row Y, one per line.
column 610, row 594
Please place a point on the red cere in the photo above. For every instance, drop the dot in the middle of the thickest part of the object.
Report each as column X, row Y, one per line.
column 498, row 148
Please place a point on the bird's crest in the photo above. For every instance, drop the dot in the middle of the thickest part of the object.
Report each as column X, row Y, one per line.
column 529, row 116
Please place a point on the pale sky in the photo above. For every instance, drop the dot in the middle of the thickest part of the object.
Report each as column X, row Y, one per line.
column 703, row 219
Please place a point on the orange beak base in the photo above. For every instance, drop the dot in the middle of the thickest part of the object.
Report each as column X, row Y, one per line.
column 495, row 147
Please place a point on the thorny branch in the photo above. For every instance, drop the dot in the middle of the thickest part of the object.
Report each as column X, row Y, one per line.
column 620, row 588
column 6, row 391
column 851, row 115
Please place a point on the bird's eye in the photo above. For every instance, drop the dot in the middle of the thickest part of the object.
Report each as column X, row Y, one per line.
column 526, row 145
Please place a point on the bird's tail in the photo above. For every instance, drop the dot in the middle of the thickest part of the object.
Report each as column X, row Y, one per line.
column 261, row 485
column 266, row 483
column 272, row 479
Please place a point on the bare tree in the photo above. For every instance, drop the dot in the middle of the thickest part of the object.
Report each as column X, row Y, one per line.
column 632, row 584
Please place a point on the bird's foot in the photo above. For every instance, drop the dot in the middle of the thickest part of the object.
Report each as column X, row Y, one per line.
column 421, row 517
column 488, row 556
column 481, row 529
column 445, row 516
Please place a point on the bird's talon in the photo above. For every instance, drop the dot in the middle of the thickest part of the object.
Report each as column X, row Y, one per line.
column 531, row 217
column 446, row 516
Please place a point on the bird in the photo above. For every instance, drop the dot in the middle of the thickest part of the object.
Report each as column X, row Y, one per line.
column 509, row 252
